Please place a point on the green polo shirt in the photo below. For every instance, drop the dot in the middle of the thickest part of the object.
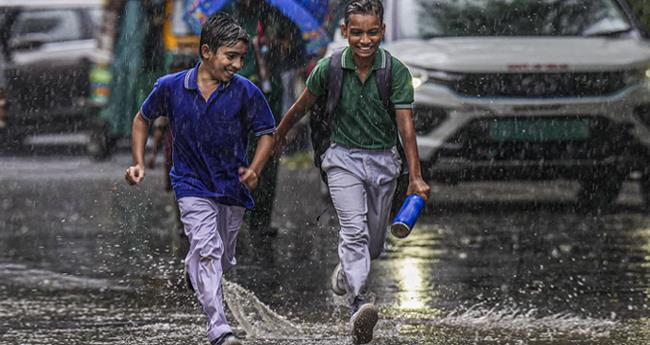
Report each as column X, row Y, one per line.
column 360, row 119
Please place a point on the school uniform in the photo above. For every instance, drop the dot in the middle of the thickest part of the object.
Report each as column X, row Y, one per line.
column 209, row 145
column 362, row 163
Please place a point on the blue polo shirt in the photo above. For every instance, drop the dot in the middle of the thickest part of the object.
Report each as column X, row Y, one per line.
column 210, row 138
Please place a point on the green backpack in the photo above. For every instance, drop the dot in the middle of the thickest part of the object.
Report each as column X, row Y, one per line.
column 321, row 114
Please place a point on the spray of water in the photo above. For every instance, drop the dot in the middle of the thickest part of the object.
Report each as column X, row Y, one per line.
column 256, row 318
column 517, row 320
column 259, row 321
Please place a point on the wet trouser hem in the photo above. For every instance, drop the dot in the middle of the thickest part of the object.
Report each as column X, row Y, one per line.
column 214, row 334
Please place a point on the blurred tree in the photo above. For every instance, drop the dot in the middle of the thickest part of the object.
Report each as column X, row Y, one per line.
column 642, row 9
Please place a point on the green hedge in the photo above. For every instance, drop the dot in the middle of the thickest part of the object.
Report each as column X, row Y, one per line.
column 642, row 8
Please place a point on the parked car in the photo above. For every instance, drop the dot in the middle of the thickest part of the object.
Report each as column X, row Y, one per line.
column 529, row 90
column 48, row 49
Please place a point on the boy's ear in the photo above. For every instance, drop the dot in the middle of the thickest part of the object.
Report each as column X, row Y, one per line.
column 344, row 30
column 205, row 51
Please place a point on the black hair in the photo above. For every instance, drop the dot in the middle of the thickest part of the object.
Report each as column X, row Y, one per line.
column 221, row 29
column 369, row 7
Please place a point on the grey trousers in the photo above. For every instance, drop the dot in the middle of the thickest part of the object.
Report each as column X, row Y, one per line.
column 361, row 184
column 212, row 230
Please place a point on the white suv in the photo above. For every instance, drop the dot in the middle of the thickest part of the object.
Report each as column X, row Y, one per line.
column 536, row 90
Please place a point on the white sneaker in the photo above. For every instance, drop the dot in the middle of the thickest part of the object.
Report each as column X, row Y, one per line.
column 337, row 280
column 231, row 340
column 363, row 323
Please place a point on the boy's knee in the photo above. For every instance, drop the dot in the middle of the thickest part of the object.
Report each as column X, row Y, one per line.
column 354, row 235
column 208, row 250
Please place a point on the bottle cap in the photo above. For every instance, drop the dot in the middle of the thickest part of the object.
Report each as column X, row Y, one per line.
column 400, row 230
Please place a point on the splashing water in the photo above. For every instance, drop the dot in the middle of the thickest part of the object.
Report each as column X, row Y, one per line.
column 256, row 318
column 518, row 320
column 259, row 321
column 513, row 320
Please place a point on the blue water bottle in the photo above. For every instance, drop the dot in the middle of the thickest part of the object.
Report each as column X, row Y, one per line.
column 407, row 216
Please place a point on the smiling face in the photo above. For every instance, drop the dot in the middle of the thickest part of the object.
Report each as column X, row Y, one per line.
column 225, row 62
column 364, row 33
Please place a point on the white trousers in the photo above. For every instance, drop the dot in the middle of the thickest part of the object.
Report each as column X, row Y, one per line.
column 361, row 184
column 212, row 230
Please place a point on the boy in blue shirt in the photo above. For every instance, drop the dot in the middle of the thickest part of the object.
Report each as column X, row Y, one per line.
column 211, row 111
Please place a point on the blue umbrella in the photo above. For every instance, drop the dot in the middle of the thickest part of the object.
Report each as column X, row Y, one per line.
column 308, row 15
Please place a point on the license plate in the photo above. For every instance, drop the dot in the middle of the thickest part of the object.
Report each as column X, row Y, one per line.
column 539, row 129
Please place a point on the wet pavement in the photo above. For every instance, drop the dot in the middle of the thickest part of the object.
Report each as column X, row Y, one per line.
column 84, row 259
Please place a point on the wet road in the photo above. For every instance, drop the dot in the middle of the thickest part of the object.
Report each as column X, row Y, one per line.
column 86, row 260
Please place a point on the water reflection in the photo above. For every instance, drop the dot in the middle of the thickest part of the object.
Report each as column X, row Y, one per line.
column 553, row 262
column 411, row 284
column 492, row 274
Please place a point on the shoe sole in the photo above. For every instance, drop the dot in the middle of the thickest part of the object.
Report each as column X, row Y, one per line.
column 334, row 281
column 232, row 342
column 364, row 323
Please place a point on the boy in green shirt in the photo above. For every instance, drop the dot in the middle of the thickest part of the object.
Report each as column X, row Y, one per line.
column 362, row 163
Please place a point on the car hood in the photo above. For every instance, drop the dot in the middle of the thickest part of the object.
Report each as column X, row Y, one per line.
column 523, row 54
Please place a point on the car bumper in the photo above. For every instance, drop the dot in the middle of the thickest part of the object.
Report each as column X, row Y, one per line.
column 621, row 109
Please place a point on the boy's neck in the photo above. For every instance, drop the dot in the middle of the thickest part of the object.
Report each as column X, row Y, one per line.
column 207, row 84
column 363, row 62
column 205, row 78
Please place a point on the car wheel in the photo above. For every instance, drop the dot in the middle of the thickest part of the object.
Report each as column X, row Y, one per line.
column 599, row 191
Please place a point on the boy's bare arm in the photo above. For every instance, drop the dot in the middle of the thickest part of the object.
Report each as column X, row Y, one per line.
column 293, row 115
column 139, row 132
column 406, row 129
column 249, row 176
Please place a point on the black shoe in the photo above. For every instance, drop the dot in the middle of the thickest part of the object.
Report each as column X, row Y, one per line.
column 363, row 323
column 226, row 339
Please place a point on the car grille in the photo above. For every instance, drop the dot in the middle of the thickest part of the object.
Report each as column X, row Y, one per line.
column 539, row 84
column 601, row 138
column 427, row 118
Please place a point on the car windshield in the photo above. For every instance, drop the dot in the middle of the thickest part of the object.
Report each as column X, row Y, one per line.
column 436, row 18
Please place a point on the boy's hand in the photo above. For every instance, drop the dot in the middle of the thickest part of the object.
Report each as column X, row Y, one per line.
column 418, row 186
column 134, row 174
column 248, row 177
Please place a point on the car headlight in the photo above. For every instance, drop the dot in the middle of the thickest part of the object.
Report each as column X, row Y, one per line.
column 419, row 77
column 636, row 76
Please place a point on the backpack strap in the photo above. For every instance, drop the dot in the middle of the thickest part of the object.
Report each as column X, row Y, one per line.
column 322, row 111
column 385, row 83
column 334, row 83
